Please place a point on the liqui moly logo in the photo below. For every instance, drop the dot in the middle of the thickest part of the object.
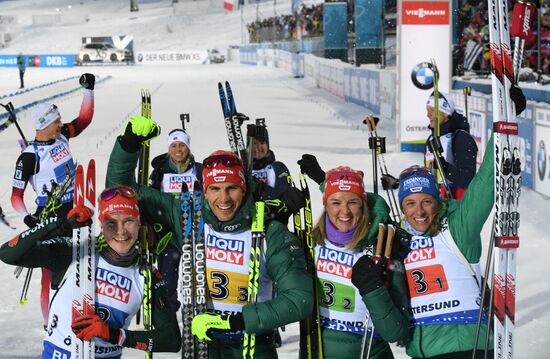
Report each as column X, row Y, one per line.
column 113, row 285
column 334, row 262
column 225, row 250
column 425, row 13
column 261, row 176
column 58, row 153
column 175, row 182
column 422, row 249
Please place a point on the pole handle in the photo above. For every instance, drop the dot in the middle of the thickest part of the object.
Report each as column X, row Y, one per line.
column 389, row 241
column 380, row 240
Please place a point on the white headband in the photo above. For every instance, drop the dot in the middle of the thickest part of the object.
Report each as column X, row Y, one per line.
column 446, row 104
column 181, row 136
column 43, row 115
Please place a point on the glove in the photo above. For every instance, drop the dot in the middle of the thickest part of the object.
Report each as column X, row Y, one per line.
column 389, row 182
column 204, row 322
column 276, row 208
column 294, row 199
column 31, row 221
column 519, row 99
column 444, row 164
column 402, row 244
column 87, row 327
column 251, row 130
column 87, row 81
column 310, row 166
column 139, row 129
column 77, row 217
column 367, row 276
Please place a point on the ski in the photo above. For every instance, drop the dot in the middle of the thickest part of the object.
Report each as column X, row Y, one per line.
column 314, row 340
column 507, row 185
column 186, row 274
column 237, row 144
column 192, row 281
column 232, row 122
column 227, row 119
column 84, row 264
column 199, row 268
column 146, row 257
column 258, row 236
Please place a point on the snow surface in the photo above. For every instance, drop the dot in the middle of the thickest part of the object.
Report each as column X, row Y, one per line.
column 301, row 119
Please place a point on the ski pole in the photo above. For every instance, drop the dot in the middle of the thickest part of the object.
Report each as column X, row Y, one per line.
column 26, row 285
column 184, row 117
column 374, row 146
column 9, row 107
column 250, row 134
column 484, row 290
column 375, row 259
column 523, row 14
column 437, row 127
column 389, row 183
column 436, row 149
column 467, row 91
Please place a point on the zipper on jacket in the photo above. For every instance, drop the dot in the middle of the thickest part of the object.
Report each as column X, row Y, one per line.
column 420, row 343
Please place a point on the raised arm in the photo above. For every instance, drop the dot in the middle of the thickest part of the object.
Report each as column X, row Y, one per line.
column 76, row 126
column 467, row 217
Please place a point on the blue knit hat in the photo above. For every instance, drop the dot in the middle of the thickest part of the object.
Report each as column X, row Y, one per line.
column 416, row 179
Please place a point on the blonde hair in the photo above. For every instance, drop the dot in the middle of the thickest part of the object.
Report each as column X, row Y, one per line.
column 320, row 233
column 434, row 225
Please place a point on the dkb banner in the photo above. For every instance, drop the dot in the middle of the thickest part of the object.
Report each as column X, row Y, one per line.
column 335, row 29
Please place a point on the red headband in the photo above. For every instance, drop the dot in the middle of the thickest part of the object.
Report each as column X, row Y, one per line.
column 343, row 179
column 223, row 167
column 118, row 204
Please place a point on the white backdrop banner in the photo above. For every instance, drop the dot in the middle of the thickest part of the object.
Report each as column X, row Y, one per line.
column 186, row 57
column 425, row 34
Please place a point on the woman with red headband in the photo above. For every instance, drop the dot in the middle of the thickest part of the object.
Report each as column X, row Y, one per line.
column 346, row 229
column 49, row 246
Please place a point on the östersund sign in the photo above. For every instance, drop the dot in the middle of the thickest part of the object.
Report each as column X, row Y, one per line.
column 425, row 35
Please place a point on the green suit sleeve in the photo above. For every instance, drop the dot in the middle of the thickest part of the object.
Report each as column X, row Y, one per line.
column 286, row 268
column 380, row 214
column 388, row 310
column 43, row 246
column 154, row 206
column 467, row 217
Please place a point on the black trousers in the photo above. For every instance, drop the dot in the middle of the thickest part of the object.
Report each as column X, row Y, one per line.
column 21, row 75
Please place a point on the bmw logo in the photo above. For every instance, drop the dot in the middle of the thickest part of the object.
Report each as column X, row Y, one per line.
column 541, row 160
column 422, row 75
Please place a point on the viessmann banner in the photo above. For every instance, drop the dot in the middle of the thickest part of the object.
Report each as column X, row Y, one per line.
column 425, row 35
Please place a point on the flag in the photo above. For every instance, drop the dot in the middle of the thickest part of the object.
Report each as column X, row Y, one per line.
column 228, row 4
column 472, row 54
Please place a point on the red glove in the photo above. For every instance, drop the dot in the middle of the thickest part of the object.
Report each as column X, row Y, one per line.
column 77, row 217
column 87, row 327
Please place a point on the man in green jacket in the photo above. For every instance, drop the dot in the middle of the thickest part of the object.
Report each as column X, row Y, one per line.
column 228, row 211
